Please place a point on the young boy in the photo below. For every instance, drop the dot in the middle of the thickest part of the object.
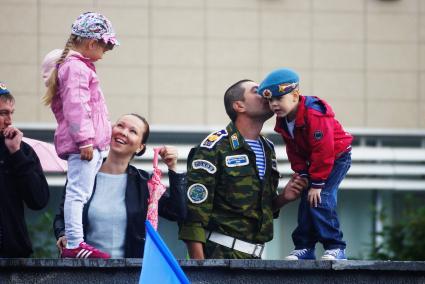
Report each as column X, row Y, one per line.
column 318, row 148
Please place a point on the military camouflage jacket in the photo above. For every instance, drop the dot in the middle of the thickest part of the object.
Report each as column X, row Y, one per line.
column 225, row 191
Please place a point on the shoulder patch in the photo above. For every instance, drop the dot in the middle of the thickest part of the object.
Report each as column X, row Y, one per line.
column 235, row 141
column 204, row 165
column 237, row 161
column 197, row 193
column 213, row 138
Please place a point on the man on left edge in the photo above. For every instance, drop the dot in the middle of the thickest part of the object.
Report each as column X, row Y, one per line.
column 21, row 181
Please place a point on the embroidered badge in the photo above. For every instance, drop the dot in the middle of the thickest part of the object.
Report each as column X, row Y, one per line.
column 204, row 165
column 237, row 161
column 274, row 164
column 318, row 135
column 213, row 138
column 197, row 193
column 235, row 141
column 267, row 94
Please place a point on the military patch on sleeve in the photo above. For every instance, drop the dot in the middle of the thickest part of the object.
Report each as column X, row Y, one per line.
column 204, row 165
column 318, row 135
column 237, row 161
column 197, row 193
column 213, row 138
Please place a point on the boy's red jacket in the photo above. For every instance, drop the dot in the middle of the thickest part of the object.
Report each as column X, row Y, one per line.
column 319, row 140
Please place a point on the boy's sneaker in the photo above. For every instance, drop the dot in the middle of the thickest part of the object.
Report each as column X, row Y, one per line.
column 301, row 254
column 84, row 251
column 334, row 254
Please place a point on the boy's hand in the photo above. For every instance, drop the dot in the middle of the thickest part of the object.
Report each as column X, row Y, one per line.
column 314, row 196
column 86, row 153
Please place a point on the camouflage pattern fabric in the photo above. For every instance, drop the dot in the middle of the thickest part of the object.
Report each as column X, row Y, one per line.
column 225, row 192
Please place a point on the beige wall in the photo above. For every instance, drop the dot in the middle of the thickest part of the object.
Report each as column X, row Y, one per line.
column 366, row 57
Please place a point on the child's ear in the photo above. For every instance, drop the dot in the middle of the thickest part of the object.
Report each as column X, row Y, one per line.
column 92, row 44
column 296, row 95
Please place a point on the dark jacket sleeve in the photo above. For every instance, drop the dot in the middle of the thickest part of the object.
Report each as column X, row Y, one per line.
column 59, row 222
column 31, row 182
column 172, row 204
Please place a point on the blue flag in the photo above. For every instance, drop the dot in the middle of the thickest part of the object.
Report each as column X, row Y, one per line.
column 159, row 264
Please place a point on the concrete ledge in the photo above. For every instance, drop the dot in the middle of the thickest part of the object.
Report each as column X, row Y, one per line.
column 213, row 271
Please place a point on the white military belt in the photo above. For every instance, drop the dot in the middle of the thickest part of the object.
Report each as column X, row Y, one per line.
column 253, row 249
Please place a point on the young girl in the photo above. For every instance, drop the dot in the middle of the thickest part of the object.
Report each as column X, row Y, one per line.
column 84, row 130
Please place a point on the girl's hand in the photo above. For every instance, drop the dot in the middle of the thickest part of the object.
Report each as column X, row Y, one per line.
column 314, row 196
column 61, row 244
column 86, row 153
column 169, row 157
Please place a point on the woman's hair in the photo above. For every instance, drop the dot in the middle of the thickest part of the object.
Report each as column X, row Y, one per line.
column 52, row 82
column 145, row 135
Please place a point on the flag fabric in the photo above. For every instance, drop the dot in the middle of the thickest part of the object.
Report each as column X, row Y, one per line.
column 156, row 190
column 159, row 265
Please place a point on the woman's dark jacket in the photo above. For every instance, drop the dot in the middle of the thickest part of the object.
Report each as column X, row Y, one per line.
column 172, row 206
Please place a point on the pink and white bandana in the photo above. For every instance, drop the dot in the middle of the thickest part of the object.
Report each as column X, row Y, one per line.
column 94, row 26
column 156, row 190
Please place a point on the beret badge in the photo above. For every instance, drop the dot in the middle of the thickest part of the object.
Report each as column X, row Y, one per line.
column 287, row 88
column 267, row 94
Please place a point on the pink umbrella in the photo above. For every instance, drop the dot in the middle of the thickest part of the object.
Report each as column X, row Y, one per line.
column 156, row 190
column 50, row 162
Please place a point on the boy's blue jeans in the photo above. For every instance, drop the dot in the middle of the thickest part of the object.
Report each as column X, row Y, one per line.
column 320, row 224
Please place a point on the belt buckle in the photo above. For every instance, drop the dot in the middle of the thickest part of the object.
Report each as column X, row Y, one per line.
column 261, row 247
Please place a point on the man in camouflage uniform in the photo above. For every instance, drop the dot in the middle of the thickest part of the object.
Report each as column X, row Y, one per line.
column 231, row 206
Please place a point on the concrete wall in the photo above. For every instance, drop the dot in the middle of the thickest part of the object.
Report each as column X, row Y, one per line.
column 214, row 271
column 366, row 57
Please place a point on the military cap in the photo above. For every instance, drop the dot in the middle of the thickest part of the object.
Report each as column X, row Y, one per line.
column 278, row 83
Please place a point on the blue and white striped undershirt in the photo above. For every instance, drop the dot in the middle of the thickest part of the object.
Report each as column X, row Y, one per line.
column 257, row 147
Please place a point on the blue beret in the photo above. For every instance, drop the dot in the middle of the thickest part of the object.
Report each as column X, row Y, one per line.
column 3, row 89
column 278, row 83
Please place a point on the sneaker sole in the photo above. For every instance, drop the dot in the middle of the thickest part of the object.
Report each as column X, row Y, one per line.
column 325, row 258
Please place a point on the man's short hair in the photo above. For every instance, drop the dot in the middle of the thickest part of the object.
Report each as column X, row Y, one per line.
column 233, row 94
column 7, row 98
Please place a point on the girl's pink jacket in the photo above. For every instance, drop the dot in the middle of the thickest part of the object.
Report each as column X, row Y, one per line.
column 79, row 107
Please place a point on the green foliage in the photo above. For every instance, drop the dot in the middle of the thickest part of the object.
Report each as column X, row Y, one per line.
column 42, row 237
column 404, row 239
